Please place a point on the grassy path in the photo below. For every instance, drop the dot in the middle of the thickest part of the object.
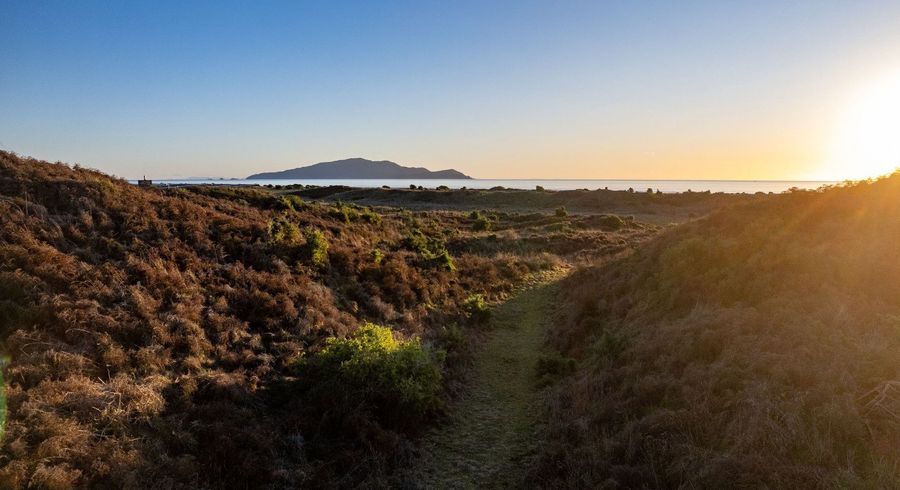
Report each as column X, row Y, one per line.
column 494, row 431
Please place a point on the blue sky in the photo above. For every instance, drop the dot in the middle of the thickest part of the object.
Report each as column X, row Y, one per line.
column 494, row 89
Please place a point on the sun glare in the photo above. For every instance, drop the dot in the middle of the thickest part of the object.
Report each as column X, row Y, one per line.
column 867, row 143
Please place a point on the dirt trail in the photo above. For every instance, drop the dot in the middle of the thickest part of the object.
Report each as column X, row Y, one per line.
column 494, row 430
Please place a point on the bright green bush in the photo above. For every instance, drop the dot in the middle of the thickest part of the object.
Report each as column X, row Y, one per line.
column 316, row 246
column 371, row 216
column 377, row 256
column 397, row 377
column 292, row 202
column 283, row 230
column 476, row 308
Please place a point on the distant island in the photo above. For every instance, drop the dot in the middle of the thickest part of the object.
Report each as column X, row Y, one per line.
column 360, row 168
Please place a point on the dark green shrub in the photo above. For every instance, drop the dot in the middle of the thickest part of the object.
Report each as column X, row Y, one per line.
column 610, row 222
column 476, row 214
column 443, row 260
column 316, row 246
column 481, row 224
column 551, row 367
column 610, row 345
column 539, row 188
column 558, row 227
column 561, row 212
column 417, row 241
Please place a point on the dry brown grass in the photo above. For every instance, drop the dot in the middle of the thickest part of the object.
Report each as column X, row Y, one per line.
column 151, row 331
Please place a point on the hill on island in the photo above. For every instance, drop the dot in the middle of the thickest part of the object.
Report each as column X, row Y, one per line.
column 360, row 168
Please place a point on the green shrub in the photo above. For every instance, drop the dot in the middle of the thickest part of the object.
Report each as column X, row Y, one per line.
column 417, row 241
column 561, row 212
column 476, row 214
column 481, row 224
column 443, row 188
column 371, row 216
column 292, row 202
column 558, row 227
column 316, row 246
column 551, row 367
column 555, row 364
column 539, row 188
column 344, row 212
column 377, row 256
column 433, row 249
column 397, row 378
column 611, row 222
column 610, row 345
column 443, row 260
column 282, row 230
column 476, row 308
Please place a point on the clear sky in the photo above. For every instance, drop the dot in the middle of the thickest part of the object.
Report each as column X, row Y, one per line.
column 704, row 90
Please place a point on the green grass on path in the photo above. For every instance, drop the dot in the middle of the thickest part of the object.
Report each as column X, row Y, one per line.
column 494, row 429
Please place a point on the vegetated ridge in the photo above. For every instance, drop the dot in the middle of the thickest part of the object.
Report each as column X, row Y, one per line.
column 360, row 168
column 756, row 348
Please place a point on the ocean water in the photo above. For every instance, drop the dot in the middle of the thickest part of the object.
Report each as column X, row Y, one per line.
column 729, row 186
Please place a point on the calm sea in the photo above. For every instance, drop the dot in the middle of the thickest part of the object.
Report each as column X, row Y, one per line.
column 730, row 186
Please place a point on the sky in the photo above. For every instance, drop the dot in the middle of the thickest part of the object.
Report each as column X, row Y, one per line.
column 574, row 89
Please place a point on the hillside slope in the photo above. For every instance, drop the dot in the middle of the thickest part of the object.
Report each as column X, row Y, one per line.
column 225, row 337
column 360, row 168
column 759, row 347
column 154, row 335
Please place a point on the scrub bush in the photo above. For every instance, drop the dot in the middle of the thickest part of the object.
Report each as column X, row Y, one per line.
column 316, row 246
column 397, row 379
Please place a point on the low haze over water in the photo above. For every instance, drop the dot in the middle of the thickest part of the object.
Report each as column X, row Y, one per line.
column 731, row 186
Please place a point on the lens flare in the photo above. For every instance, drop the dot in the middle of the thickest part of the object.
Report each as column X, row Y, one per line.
column 867, row 143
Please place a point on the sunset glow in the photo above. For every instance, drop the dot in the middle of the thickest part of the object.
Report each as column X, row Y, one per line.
column 497, row 90
column 867, row 143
